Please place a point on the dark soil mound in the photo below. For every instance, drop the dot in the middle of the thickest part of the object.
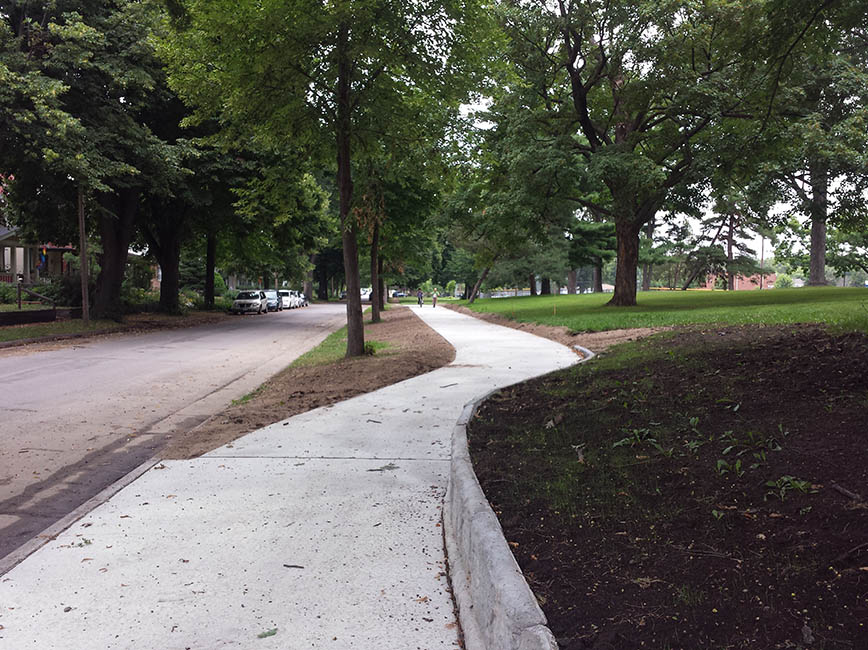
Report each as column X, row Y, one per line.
column 704, row 489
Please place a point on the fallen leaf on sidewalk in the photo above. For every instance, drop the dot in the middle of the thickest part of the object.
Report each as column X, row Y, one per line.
column 389, row 466
column 267, row 633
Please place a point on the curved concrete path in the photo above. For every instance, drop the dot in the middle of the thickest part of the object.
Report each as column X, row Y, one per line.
column 321, row 531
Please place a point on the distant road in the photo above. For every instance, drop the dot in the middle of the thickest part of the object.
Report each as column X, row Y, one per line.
column 75, row 418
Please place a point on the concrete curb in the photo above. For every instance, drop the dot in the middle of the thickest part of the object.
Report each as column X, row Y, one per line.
column 496, row 607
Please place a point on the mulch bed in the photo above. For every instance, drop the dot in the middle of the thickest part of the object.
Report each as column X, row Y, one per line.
column 711, row 493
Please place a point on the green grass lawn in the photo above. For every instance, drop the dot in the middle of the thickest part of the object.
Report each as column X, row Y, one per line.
column 57, row 328
column 333, row 348
column 841, row 308
column 24, row 306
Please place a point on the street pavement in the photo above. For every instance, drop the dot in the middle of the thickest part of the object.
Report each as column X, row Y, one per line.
column 76, row 417
column 320, row 531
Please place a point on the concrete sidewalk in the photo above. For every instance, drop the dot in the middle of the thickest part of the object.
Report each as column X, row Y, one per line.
column 321, row 531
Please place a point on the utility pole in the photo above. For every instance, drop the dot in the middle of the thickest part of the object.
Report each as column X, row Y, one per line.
column 762, row 261
column 82, row 248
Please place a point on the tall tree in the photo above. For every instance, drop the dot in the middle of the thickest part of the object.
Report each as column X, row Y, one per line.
column 100, row 53
column 321, row 73
column 642, row 89
column 821, row 162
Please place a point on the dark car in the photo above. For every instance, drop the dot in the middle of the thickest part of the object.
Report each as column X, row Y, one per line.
column 398, row 294
column 273, row 300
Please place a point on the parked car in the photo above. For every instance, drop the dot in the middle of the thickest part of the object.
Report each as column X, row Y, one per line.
column 273, row 300
column 398, row 294
column 285, row 298
column 246, row 301
column 302, row 300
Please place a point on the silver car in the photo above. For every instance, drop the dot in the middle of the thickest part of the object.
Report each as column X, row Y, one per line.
column 246, row 301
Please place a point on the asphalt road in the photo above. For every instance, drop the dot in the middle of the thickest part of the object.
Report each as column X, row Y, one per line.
column 75, row 418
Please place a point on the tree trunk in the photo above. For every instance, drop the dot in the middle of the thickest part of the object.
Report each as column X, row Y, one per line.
column 627, row 234
column 532, row 284
column 375, row 277
column 819, row 213
column 116, row 228
column 571, row 282
column 545, row 287
column 307, row 287
column 321, row 276
column 210, row 263
column 165, row 244
column 382, row 283
column 478, row 284
column 598, row 277
column 170, row 262
column 349, row 227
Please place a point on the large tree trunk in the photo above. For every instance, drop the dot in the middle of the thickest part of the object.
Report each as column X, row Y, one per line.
column 210, row 263
column 478, row 284
column 170, row 262
column 116, row 228
column 349, row 227
column 819, row 213
column 627, row 234
column 375, row 277
column 571, row 282
column 165, row 244
column 545, row 287
column 532, row 280
column 598, row 277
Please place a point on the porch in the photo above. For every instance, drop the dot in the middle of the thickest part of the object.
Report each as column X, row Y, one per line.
column 25, row 262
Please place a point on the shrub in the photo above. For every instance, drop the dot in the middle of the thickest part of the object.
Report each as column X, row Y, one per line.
column 783, row 281
column 8, row 294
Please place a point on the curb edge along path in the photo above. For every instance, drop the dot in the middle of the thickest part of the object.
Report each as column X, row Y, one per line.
column 323, row 530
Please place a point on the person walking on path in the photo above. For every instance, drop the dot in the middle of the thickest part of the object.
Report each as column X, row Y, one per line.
column 419, row 296
column 434, row 297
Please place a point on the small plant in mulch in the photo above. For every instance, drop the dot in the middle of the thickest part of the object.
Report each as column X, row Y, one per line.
column 705, row 488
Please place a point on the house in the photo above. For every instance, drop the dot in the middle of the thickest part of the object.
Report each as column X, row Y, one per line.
column 745, row 283
column 28, row 262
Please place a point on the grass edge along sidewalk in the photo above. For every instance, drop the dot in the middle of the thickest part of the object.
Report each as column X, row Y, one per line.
column 843, row 309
